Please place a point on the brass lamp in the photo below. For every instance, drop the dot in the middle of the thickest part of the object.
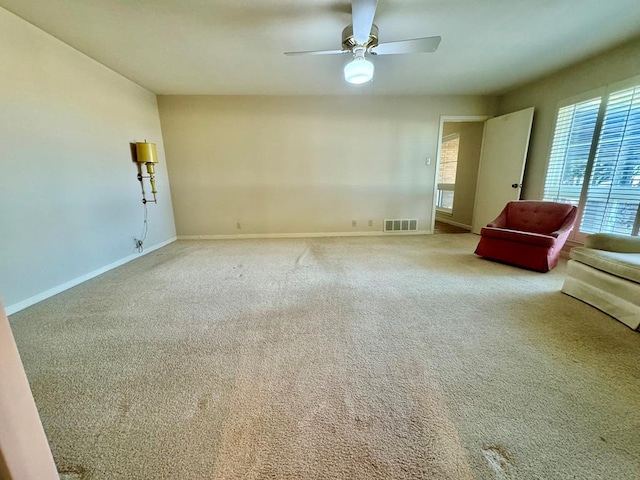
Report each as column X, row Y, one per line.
column 146, row 153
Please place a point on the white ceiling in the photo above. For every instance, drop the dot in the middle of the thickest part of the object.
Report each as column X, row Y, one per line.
column 236, row 46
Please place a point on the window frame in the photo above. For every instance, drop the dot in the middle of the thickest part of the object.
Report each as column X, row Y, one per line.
column 604, row 94
column 446, row 187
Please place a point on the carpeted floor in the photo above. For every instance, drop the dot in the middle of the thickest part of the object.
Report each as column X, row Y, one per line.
column 340, row 358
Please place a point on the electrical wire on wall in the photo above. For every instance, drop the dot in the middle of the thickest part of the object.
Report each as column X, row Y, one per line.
column 143, row 236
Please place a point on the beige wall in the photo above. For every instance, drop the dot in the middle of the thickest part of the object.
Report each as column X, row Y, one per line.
column 610, row 67
column 467, row 171
column 69, row 198
column 24, row 449
column 303, row 164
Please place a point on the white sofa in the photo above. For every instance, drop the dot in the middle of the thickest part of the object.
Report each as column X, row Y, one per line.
column 605, row 273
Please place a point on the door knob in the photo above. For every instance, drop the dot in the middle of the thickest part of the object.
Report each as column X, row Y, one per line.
column 516, row 185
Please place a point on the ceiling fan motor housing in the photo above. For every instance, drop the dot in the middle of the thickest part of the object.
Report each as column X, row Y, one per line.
column 349, row 43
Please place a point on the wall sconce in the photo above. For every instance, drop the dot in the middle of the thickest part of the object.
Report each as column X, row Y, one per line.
column 146, row 153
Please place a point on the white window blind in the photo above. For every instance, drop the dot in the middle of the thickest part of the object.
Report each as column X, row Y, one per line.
column 570, row 149
column 595, row 160
column 447, row 172
column 613, row 192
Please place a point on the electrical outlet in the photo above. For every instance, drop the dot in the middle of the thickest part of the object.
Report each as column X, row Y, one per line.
column 138, row 242
column 353, row 223
column 371, row 223
column 238, row 226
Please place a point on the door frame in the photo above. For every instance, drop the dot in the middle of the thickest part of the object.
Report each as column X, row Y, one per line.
column 444, row 119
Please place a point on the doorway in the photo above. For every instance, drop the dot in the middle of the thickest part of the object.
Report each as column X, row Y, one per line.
column 459, row 149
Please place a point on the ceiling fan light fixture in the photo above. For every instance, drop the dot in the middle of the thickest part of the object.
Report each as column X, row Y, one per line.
column 361, row 37
column 359, row 70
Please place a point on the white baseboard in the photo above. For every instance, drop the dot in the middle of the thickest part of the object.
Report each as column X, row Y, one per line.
column 451, row 222
column 16, row 307
column 297, row 235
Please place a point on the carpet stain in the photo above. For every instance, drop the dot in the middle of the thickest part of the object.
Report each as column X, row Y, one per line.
column 203, row 403
column 72, row 473
column 302, row 256
column 499, row 462
column 236, row 274
column 124, row 407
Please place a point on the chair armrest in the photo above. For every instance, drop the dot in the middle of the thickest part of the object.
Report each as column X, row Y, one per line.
column 568, row 223
column 501, row 220
column 612, row 242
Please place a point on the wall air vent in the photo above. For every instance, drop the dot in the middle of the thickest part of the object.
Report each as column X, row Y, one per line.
column 401, row 225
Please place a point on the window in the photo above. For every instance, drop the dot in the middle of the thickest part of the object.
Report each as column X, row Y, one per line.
column 447, row 172
column 595, row 161
column 570, row 151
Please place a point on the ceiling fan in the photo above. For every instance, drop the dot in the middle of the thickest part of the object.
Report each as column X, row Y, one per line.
column 361, row 39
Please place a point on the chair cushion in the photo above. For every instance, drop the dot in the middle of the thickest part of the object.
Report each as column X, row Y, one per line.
column 519, row 237
column 623, row 265
column 613, row 242
column 536, row 216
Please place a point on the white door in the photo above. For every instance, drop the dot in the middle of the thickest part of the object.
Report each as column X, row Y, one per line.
column 504, row 153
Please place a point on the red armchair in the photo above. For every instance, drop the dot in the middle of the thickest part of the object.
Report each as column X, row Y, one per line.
column 528, row 234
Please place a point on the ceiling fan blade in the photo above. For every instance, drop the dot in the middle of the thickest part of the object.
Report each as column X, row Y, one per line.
column 416, row 45
column 362, row 13
column 317, row 52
